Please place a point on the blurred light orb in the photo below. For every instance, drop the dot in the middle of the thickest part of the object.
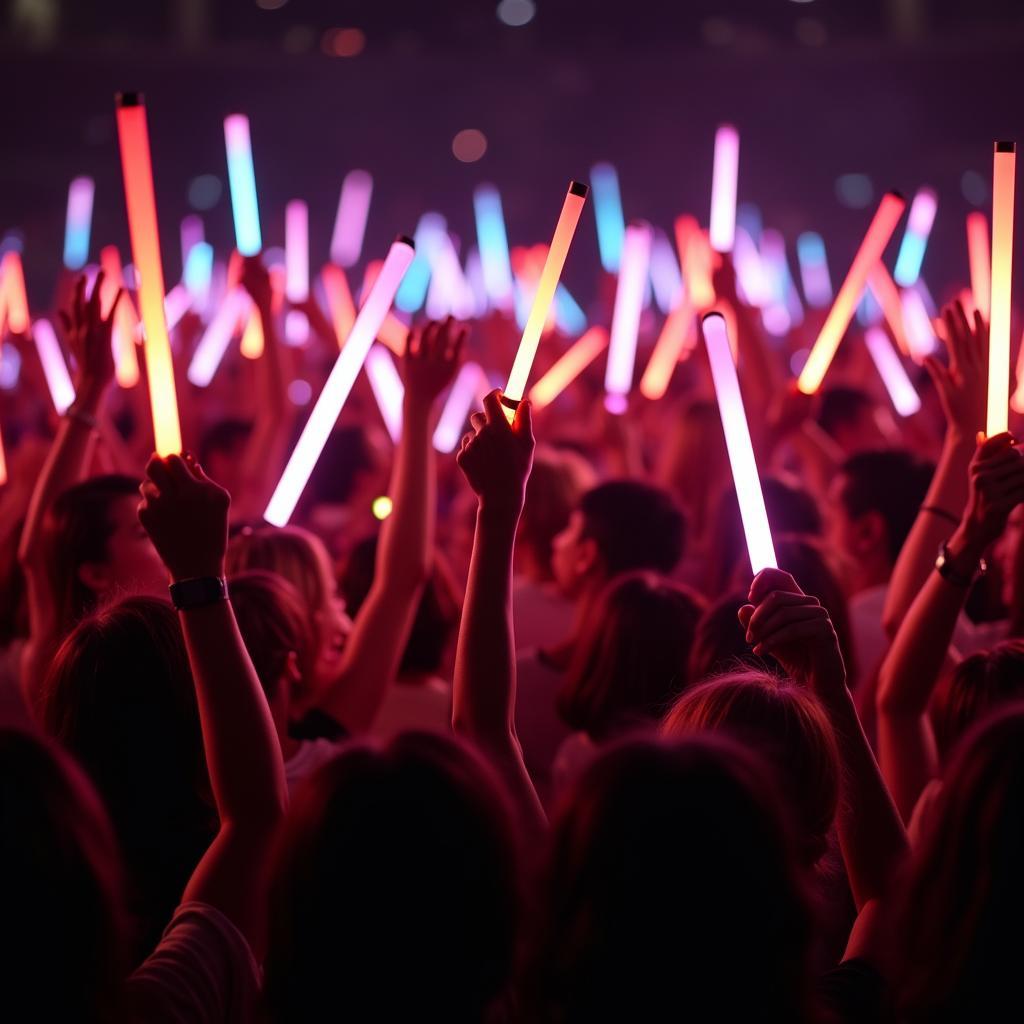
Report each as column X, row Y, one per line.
column 854, row 190
column 797, row 360
column 299, row 392
column 469, row 145
column 204, row 191
column 344, row 42
column 516, row 12
column 270, row 5
column 10, row 367
column 382, row 507
column 974, row 188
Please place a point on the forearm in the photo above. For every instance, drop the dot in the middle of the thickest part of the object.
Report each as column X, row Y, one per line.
column 943, row 506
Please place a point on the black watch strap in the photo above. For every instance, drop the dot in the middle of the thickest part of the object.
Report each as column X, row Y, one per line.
column 198, row 592
column 945, row 568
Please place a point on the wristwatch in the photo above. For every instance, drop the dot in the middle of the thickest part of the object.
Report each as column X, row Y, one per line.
column 947, row 570
column 198, row 592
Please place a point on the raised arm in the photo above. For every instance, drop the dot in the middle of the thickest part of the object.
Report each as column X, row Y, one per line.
column 784, row 622
column 67, row 464
column 496, row 460
column 186, row 515
column 374, row 649
column 961, row 388
column 906, row 743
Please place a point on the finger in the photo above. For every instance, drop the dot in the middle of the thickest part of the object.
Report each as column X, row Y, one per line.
column 455, row 349
column 94, row 299
column 744, row 613
column 78, row 304
column 478, row 421
column 522, row 424
column 65, row 321
column 149, row 490
column 768, row 580
column 178, row 469
column 412, row 342
column 993, row 445
column 113, row 307
column 159, row 473
column 761, row 626
column 809, row 630
column 493, row 408
column 949, row 336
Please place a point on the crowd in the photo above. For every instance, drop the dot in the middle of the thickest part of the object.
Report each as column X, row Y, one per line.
column 535, row 747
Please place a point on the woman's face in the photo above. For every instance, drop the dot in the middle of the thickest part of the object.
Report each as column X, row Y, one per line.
column 131, row 564
column 333, row 624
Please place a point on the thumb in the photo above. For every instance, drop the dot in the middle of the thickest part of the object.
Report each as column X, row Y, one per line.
column 493, row 408
column 522, row 425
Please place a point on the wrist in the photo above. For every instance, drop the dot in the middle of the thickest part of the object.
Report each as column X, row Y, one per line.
column 416, row 405
column 965, row 546
column 199, row 571
column 500, row 511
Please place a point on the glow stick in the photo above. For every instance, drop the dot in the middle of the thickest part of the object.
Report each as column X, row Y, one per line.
column 695, row 259
column 723, row 188
column 3, row 461
column 1004, row 168
column 905, row 398
column 665, row 276
column 431, row 228
column 12, row 281
column 217, row 336
column 629, row 298
column 339, row 301
column 572, row 207
column 198, row 273
column 569, row 315
column 55, row 369
column 474, row 275
column 569, row 366
column 78, row 225
column 979, row 253
column 915, row 238
column 456, row 407
column 780, row 313
column 126, row 319
column 814, row 276
column 242, row 182
column 611, row 225
column 667, row 350
column 350, row 223
column 748, row 217
column 192, row 234
column 387, row 389
column 920, row 335
column 296, row 254
column 448, row 291
column 393, row 333
column 492, row 240
column 883, row 224
column 329, row 405
column 884, row 289
column 176, row 305
column 751, row 273
column 737, row 441
column 370, row 275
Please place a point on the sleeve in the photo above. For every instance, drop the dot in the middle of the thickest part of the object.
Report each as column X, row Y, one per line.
column 202, row 971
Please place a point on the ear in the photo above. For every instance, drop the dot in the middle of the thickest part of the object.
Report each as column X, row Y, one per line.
column 588, row 557
column 870, row 532
column 96, row 576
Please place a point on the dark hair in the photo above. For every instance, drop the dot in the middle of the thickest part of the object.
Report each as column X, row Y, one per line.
column 347, row 453
column 119, row 697
column 786, row 724
column 61, row 951
column 437, row 614
column 977, row 686
column 891, row 483
column 959, row 916
column 631, row 658
column 841, row 405
column 671, row 881
column 395, row 857
column 224, row 436
column 635, row 526
column 79, row 527
column 720, row 643
column 274, row 622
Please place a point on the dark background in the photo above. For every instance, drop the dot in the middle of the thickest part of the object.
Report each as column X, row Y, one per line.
column 907, row 92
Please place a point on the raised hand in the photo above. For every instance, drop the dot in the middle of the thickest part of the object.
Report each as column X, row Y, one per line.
column 996, row 488
column 793, row 627
column 432, row 355
column 186, row 516
column 88, row 335
column 962, row 384
column 497, row 457
column 256, row 281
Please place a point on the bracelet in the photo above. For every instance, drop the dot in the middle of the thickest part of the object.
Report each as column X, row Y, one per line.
column 198, row 592
column 941, row 513
column 945, row 568
column 78, row 416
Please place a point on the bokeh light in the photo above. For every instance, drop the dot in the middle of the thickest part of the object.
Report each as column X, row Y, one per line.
column 204, row 191
column 469, row 145
column 382, row 507
column 854, row 190
column 974, row 188
column 344, row 42
column 270, row 5
column 516, row 12
column 300, row 392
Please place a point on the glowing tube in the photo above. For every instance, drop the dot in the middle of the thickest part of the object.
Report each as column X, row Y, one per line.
column 475, row 283
column 192, row 234
column 751, row 272
column 198, row 273
column 814, row 276
column 569, row 366
column 176, row 305
column 217, row 336
column 611, row 225
column 629, row 299
column 329, row 405
column 430, row 229
column 456, row 409
column 569, row 315
column 979, row 254
column 387, row 389
column 81, row 192
column 1003, row 171
column 448, row 291
column 145, row 238
column 723, row 188
column 695, row 259
column 919, row 333
column 350, row 223
column 242, row 182
column 884, row 289
column 915, row 238
column 492, row 240
column 339, row 301
column 296, row 255
column 12, row 281
column 667, row 350
column 560, row 242
column 126, row 320
column 737, row 441
column 883, row 224
column 905, row 398
column 665, row 277
column 55, row 369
